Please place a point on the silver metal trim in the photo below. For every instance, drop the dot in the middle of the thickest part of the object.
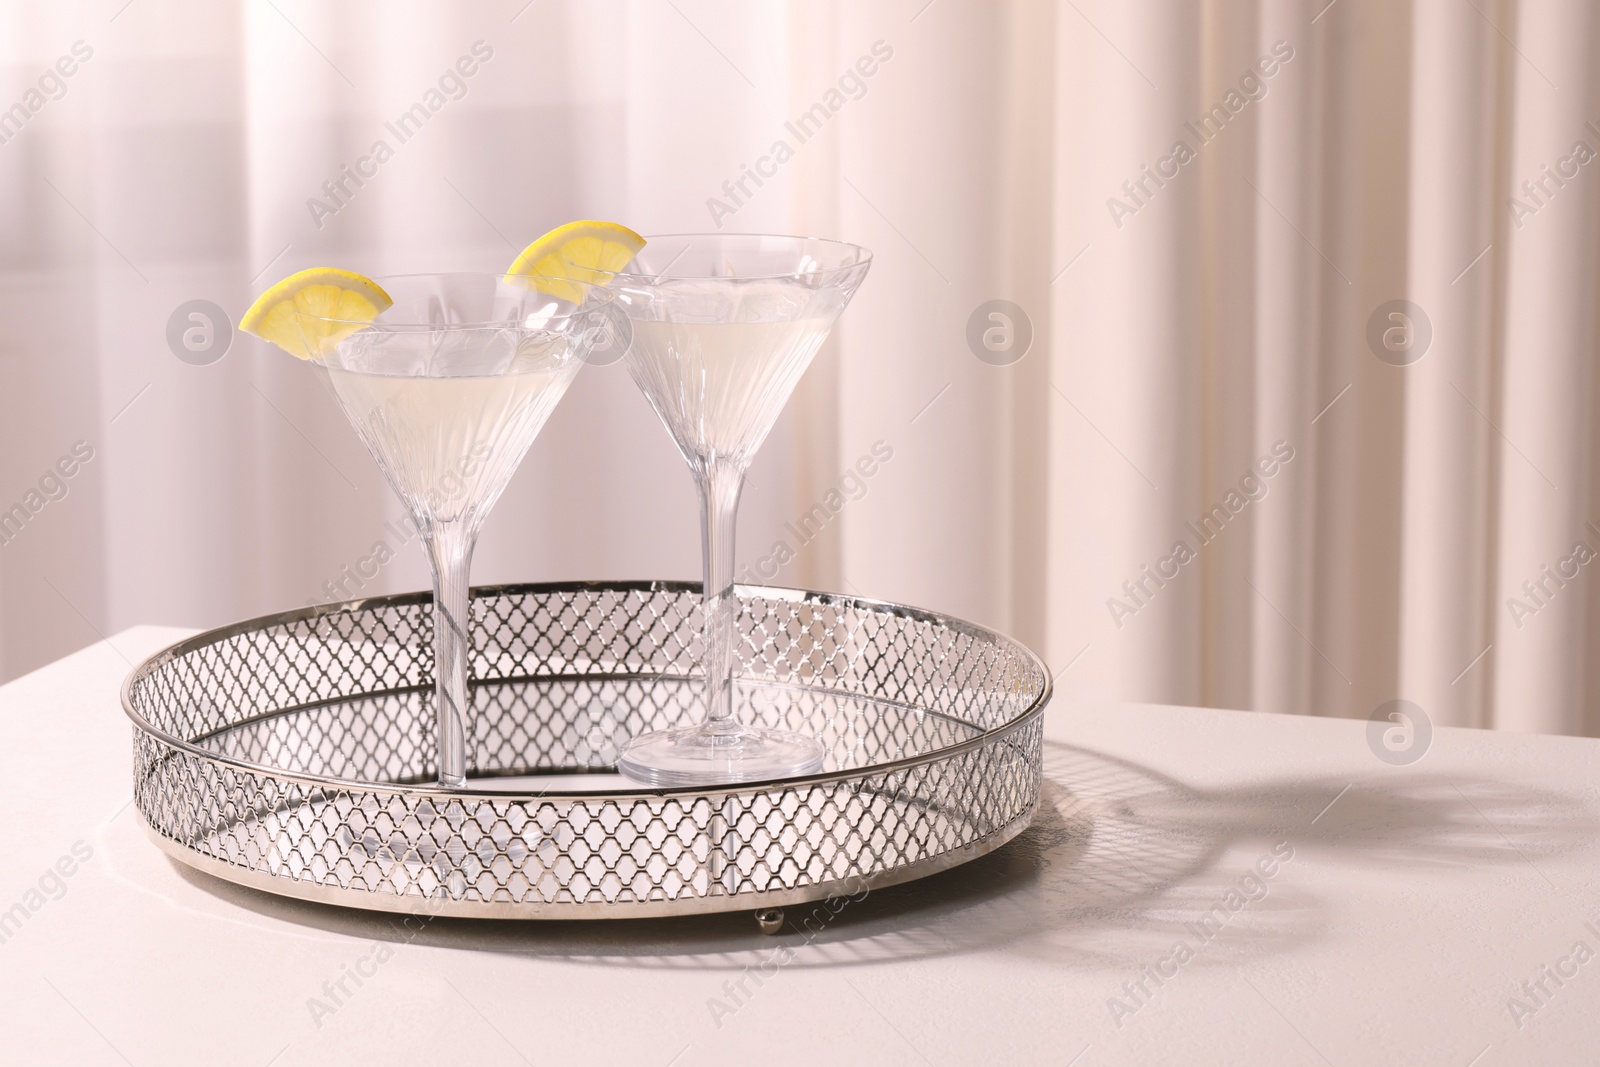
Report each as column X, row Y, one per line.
column 655, row 909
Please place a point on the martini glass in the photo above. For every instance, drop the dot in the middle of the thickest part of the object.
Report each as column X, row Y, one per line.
column 447, row 389
column 723, row 326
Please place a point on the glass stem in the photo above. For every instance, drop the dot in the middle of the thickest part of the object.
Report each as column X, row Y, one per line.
column 720, row 485
column 450, row 556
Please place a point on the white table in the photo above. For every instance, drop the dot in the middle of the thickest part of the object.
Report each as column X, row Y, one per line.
column 1413, row 905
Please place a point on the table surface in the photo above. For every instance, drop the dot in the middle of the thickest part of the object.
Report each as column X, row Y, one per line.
column 1199, row 887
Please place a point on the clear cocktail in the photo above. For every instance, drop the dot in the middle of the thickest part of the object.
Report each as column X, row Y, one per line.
column 448, row 388
column 723, row 327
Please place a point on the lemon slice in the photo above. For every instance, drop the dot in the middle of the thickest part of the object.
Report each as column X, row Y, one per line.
column 584, row 251
column 291, row 314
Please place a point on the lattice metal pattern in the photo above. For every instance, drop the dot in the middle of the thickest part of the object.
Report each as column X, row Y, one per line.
column 298, row 748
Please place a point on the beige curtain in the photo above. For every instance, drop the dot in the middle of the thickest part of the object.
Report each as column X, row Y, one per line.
column 1308, row 289
column 1335, row 160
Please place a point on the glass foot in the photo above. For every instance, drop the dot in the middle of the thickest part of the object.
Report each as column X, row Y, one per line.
column 694, row 755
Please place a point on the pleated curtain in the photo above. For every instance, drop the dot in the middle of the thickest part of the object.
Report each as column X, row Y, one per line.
column 1302, row 422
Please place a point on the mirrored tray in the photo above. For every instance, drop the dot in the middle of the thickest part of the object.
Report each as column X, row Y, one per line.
column 292, row 753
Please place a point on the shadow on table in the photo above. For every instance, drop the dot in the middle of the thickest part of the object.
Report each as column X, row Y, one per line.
column 1119, row 865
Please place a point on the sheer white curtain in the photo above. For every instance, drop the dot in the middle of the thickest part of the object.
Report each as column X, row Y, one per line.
column 1208, row 214
column 185, row 161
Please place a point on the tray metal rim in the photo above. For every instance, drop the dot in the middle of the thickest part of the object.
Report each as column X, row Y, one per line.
column 222, row 633
column 718, row 903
